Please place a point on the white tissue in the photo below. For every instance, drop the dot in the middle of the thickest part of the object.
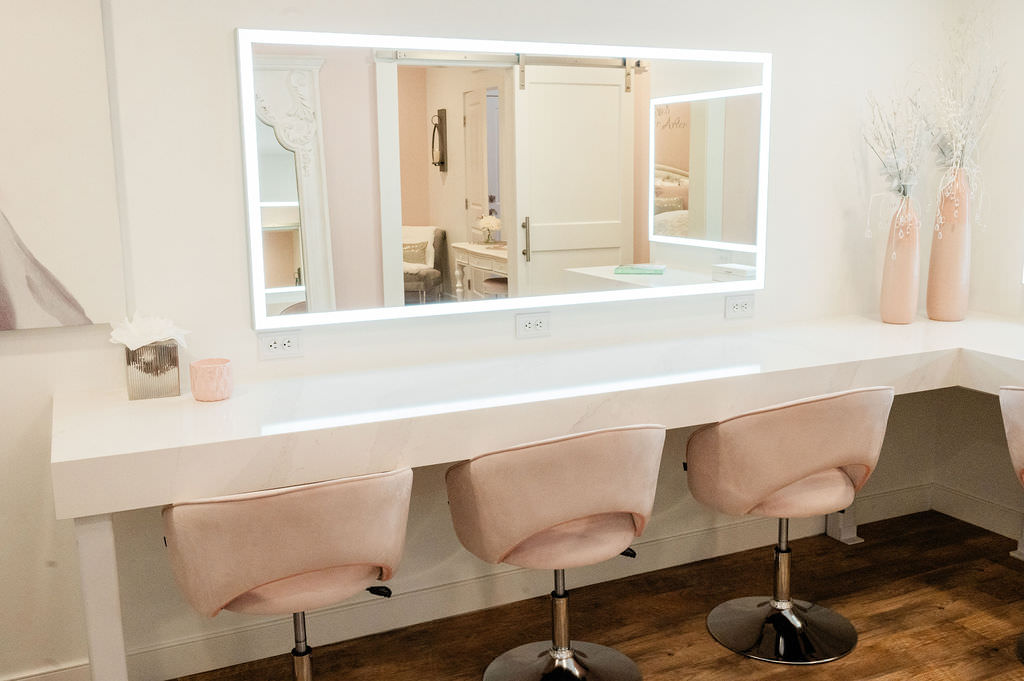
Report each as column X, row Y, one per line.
column 143, row 330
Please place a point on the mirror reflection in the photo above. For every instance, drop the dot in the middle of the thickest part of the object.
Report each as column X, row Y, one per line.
column 392, row 178
column 279, row 218
column 705, row 168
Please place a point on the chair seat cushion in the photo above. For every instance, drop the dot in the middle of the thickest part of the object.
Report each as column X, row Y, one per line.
column 824, row 492
column 308, row 591
column 416, row 267
column 428, row 276
column 495, row 286
column 583, row 541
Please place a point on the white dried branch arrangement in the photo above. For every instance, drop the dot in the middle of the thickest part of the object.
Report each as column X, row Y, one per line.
column 966, row 89
column 897, row 136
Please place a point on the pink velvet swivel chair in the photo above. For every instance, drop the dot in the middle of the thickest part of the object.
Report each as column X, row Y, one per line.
column 288, row 550
column 556, row 504
column 1011, row 400
column 793, row 460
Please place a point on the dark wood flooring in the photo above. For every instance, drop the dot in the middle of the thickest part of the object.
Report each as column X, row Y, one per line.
column 933, row 598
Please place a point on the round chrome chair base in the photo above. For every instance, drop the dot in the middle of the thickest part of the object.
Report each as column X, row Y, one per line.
column 803, row 634
column 534, row 662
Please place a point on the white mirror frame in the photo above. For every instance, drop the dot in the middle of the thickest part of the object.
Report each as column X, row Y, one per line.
column 247, row 38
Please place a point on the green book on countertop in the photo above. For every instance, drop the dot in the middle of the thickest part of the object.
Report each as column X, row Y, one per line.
column 640, row 269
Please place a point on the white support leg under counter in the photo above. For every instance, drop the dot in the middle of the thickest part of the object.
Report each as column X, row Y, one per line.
column 101, row 596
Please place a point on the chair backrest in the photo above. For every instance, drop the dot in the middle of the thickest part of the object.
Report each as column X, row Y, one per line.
column 736, row 464
column 433, row 236
column 1011, row 401
column 224, row 547
column 501, row 499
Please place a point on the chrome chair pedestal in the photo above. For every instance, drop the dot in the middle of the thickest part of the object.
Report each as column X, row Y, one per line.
column 561, row 659
column 779, row 628
column 539, row 662
column 804, row 633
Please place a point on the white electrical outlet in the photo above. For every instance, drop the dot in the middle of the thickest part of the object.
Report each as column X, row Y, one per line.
column 738, row 307
column 533, row 325
column 280, row 344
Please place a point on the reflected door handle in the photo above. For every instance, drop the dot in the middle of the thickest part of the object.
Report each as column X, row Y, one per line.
column 526, row 226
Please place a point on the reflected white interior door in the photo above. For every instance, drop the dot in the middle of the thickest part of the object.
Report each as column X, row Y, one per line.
column 574, row 142
column 475, row 134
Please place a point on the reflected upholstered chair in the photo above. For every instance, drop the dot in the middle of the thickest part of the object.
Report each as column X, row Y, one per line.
column 557, row 504
column 288, row 550
column 1011, row 400
column 424, row 261
column 793, row 460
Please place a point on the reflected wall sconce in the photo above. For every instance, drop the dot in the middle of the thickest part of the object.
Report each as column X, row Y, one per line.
column 439, row 140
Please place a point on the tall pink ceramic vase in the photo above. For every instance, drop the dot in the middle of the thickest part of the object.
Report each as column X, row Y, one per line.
column 900, row 273
column 949, row 273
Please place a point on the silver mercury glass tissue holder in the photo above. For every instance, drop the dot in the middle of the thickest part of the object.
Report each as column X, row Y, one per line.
column 152, row 370
column 151, row 355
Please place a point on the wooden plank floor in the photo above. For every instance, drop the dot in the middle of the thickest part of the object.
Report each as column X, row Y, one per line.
column 932, row 597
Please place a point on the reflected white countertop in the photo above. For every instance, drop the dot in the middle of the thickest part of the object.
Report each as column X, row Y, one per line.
column 670, row 277
column 495, row 251
column 110, row 454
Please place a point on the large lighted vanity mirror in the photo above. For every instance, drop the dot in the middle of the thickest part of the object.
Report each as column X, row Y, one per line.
column 395, row 177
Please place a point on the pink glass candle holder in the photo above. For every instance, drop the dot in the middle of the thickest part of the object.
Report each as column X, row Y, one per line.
column 211, row 379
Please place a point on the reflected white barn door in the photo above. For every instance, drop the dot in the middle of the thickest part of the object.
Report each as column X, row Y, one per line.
column 574, row 143
column 474, row 130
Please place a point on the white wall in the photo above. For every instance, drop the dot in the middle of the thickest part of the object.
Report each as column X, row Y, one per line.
column 56, row 173
column 974, row 479
column 998, row 243
column 185, row 189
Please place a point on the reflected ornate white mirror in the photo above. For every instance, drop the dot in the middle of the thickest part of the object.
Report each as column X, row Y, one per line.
column 572, row 174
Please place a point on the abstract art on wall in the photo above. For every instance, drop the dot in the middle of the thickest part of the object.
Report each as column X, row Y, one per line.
column 30, row 295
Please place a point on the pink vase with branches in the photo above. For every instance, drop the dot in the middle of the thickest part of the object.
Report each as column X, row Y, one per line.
column 966, row 89
column 949, row 272
column 897, row 136
column 901, row 271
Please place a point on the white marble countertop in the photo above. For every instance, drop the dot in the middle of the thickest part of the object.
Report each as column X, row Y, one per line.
column 111, row 454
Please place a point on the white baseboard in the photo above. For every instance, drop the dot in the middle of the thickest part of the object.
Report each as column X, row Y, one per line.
column 77, row 671
column 987, row 514
column 894, row 503
column 171, row 659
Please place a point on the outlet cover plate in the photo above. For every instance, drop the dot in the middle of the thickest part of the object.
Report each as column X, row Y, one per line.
column 740, row 306
column 533, row 325
column 280, row 344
